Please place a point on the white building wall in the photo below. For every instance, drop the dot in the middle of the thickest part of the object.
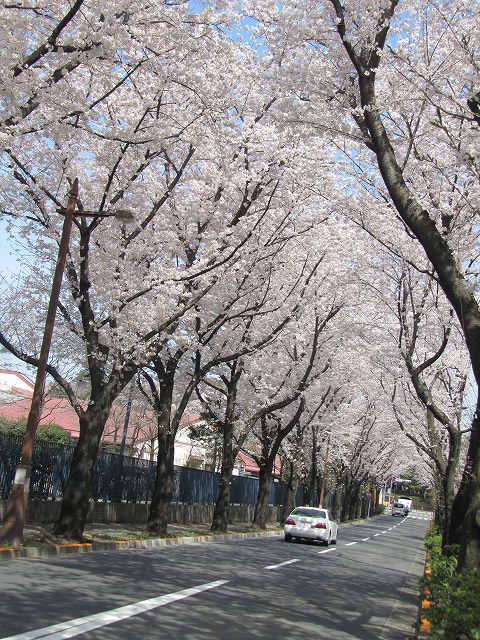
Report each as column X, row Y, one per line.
column 12, row 380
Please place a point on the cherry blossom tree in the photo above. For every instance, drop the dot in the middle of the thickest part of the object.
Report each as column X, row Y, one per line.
column 185, row 361
column 151, row 132
column 308, row 436
column 272, row 428
column 243, row 390
column 402, row 79
column 439, row 384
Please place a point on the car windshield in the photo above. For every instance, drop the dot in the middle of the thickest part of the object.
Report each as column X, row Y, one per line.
column 311, row 513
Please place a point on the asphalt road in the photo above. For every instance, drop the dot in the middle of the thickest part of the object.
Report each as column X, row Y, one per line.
column 258, row 588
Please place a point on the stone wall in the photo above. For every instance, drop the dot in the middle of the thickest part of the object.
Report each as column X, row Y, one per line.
column 125, row 512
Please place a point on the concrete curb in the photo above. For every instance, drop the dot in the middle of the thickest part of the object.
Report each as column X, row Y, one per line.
column 45, row 551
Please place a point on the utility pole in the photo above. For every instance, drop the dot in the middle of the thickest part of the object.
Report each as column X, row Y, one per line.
column 14, row 519
column 324, row 476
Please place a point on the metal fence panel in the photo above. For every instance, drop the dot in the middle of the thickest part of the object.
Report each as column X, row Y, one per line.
column 122, row 478
column 10, row 449
column 243, row 490
column 195, row 486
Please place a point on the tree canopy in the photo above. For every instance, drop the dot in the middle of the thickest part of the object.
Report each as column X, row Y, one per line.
column 284, row 163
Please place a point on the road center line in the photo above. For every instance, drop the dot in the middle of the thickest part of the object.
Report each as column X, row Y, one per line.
column 282, row 564
column 349, row 544
column 376, row 534
column 75, row 627
column 365, row 539
column 327, row 550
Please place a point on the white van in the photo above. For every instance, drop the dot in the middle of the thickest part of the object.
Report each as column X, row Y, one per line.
column 407, row 503
column 398, row 509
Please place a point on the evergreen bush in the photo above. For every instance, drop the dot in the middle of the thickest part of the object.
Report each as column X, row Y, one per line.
column 454, row 612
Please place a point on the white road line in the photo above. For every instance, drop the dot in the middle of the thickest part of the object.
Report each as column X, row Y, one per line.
column 349, row 544
column 384, row 532
column 376, row 534
column 365, row 539
column 282, row 564
column 327, row 550
column 77, row 626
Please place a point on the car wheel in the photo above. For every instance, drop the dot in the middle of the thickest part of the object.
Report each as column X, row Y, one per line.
column 288, row 537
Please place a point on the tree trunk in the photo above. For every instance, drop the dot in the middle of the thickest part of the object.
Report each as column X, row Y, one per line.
column 222, row 505
column 157, row 521
column 261, row 507
column 76, row 498
column 229, row 453
column 162, row 494
column 312, row 478
column 344, row 507
column 466, row 507
column 448, row 485
column 290, row 492
column 355, row 507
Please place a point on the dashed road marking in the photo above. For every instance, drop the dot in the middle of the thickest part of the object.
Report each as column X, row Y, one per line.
column 282, row 564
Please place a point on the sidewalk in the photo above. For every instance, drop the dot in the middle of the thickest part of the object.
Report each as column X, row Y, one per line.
column 40, row 542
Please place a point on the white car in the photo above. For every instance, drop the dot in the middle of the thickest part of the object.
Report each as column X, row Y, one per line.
column 312, row 524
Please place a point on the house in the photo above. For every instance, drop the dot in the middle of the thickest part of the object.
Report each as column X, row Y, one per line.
column 138, row 425
column 12, row 382
column 140, row 428
column 16, row 393
column 245, row 465
column 189, row 452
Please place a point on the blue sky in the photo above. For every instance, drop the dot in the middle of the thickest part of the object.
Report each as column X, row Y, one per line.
column 8, row 263
column 8, row 267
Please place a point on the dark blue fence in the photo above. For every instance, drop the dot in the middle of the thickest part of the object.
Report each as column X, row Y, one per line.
column 122, row 478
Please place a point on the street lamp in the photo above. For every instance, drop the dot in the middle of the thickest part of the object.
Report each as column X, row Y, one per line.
column 14, row 519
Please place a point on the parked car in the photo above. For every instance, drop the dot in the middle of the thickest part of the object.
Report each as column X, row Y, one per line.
column 311, row 523
column 398, row 509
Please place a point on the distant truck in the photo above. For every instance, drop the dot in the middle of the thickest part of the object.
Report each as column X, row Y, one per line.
column 407, row 503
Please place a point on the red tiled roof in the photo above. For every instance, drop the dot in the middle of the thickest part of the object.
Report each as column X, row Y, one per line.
column 55, row 411
column 250, row 466
column 190, row 418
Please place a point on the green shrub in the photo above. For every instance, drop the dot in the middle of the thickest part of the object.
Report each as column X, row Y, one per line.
column 12, row 427
column 45, row 432
column 454, row 610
